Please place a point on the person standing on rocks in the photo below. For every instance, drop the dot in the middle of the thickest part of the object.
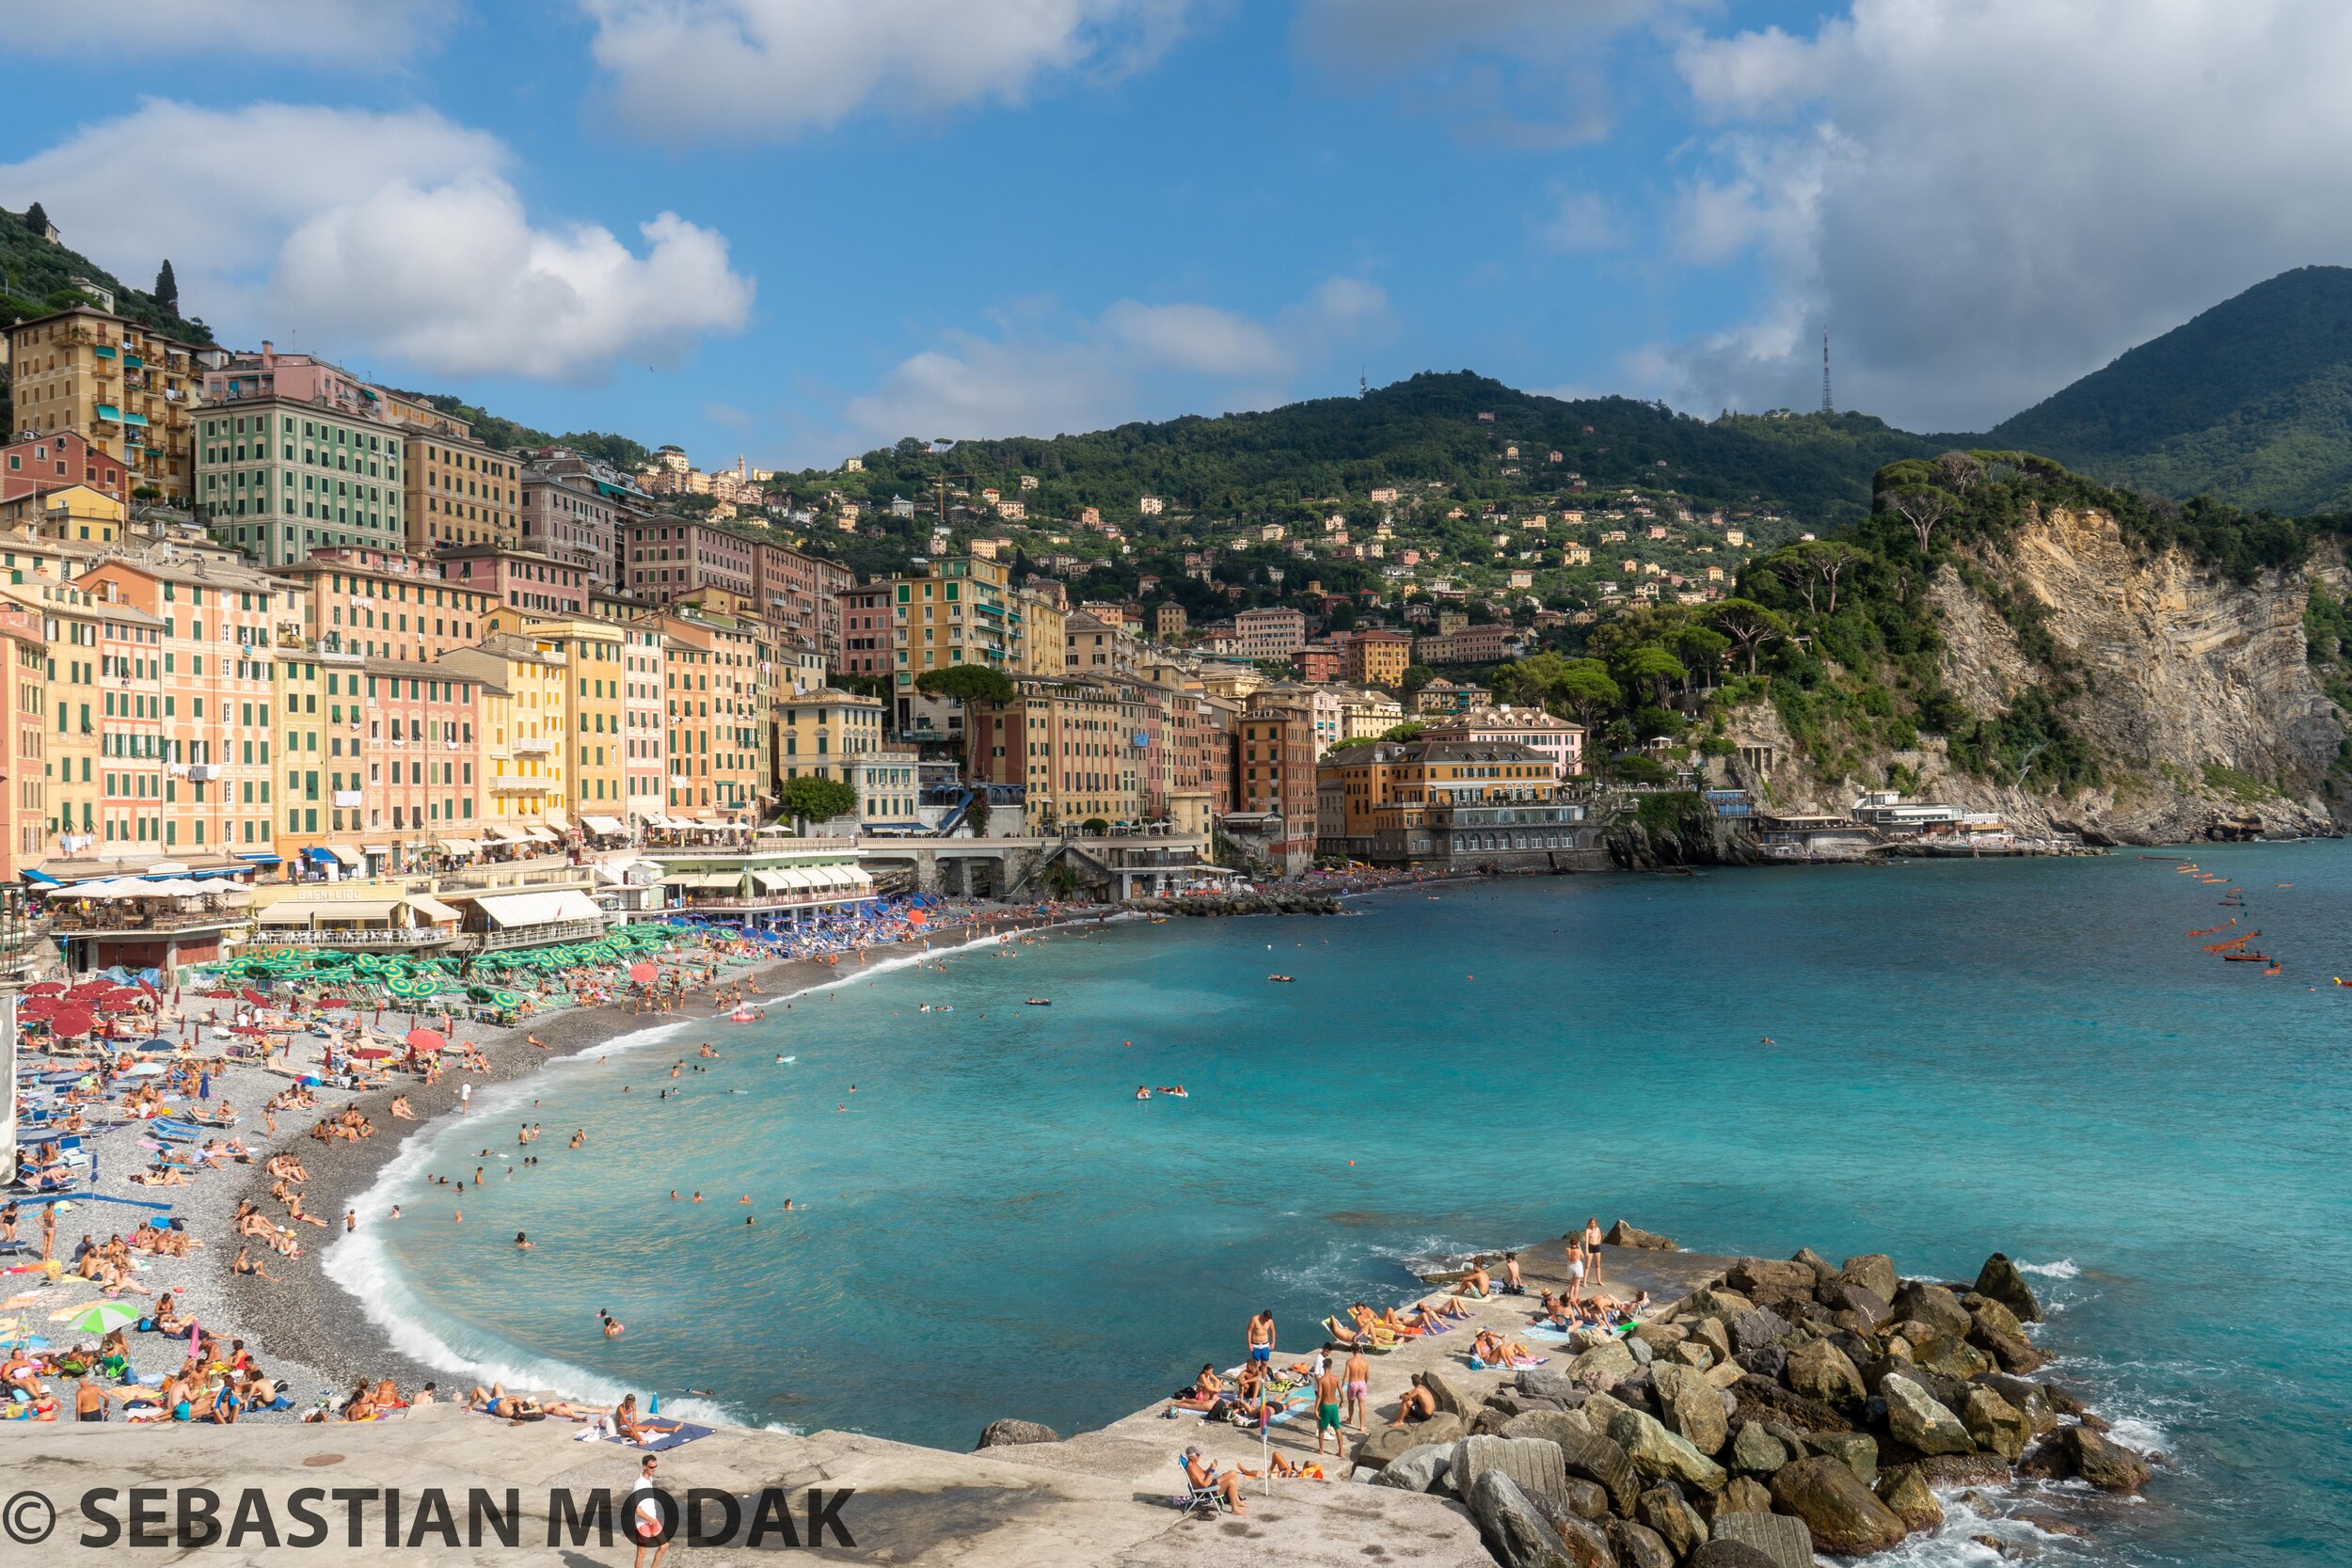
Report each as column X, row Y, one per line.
column 1591, row 1246
column 1261, row 1337
column 1358, row 1388
column 1328, row 1407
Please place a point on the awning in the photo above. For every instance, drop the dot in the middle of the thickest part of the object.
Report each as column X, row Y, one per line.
column 604, row 825
column 109, row 411
column 348, row 857
column 292, row 912
column 432, row 909
column 703, row 879
column 375, row 911
column 376, row 849
column 557, row 820
column 775, row 882
column 539, row 909
column 505, row 835
column 260, row 860
column 462, row 846
column 317, row 856
column 540, row 835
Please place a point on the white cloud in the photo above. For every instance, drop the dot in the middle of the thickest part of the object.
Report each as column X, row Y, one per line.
column 359, row 34
column 688, row 69
column 389, row 233
column 1037, row 376
column 1986, row 198
column 1586, row 221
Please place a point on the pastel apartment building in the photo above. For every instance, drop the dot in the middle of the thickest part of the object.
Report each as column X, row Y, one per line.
column 290, row 455
column 128, row 389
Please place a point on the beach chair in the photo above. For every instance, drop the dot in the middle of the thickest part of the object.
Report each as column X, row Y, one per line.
column 1199, row 1499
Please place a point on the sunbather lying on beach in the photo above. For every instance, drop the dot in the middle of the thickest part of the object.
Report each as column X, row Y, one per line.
column 1445, row 1308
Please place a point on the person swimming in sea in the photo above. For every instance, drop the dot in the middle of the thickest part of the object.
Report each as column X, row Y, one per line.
column 1142, row 1093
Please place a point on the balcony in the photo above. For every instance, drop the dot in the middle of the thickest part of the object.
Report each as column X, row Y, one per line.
column 531, row 748
column 553, row 932
column 126, row 924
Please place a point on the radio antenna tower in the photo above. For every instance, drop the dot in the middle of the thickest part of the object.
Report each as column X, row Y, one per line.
column 1827, row 407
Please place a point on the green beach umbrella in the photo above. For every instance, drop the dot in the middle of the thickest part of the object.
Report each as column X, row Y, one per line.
column 102, row 1317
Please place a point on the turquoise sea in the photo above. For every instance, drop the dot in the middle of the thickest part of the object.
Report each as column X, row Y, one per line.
column 2030, row 1056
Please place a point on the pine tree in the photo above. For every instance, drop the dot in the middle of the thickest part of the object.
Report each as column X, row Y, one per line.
column 36, row 220
column 168, row 288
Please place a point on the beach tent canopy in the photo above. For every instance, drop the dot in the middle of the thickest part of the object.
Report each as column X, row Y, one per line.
column 462, row 846
column 503, row 834
column 376, row 910
column 291, row 911
column 539, row 835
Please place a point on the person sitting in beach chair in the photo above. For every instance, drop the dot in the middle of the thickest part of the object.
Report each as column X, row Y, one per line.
column 1205, row 1488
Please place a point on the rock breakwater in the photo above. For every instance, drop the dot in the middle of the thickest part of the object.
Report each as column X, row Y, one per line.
column 1205, row 904
column 1779, row 1409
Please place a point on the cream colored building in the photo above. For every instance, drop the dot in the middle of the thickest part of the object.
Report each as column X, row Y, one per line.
column 126, row 388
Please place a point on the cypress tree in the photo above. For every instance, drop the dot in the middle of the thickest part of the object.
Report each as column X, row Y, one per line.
column 168, row 288
column 36, row 220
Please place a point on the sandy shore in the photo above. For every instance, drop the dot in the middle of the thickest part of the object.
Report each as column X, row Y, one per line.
column 305, row 1328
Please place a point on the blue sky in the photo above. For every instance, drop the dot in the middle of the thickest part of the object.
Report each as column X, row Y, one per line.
column 796, row 229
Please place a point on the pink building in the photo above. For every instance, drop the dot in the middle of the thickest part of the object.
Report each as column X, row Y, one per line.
column 800, row 594
column 666, row 558
column 1531, row 727
column 511, row 578
column 299, row 377
column 1270, row 632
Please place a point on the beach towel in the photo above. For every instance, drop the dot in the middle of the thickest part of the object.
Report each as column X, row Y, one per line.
column 687, row 1433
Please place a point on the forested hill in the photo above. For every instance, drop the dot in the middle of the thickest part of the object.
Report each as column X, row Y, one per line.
column 2251, row 402
column 1425, row 430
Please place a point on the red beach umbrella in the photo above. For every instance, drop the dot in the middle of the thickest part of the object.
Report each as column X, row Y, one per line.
column 47, row 987
column 427, row 1040
column 70, row 1023
column 643, row 973
column 372, row 1052
column 918, row 918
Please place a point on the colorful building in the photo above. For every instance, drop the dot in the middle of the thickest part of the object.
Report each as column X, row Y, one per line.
column 43, row 463
column 958, row 612
column 522, row 773
column 128, row 389
column 385, row 604
column 520, row 584
column 1072, row 744
column 1378, row 656
column 717, row 687
column 278, row 477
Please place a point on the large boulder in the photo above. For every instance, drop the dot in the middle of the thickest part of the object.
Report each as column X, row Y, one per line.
column 1659, row 1453
column 1995, row 1331
column 1587, row 1541
column 1622, row 1234
column 1719, row 1302
column 2031, row 1399
column 2082, row 1453
column 1782, row 1540
column 1006, row 1433
column 1749, row 1275
column 1638, row 1546
column 1585, row 1500
column 1842, row 1295
column 1857, row 1451
column 1600, row 1460
column 1740, row 1495
column 1514, row 1530
column 1452, row 1397
column 1678, row 1523
column 1693, row 1354
column 1919, row 1421
column 1711, row 1333
column 1818, row 1369
column 1603, row 1366
column 1823, row 1270
column 1842, row 1515
column 1947, row 1356
column 1963, row 1470
column 1731, row 1554
column 1874, row 1272
column 1920, row 1301
column 1534, row 1465
column 1553, row 1426
column 1903, row 1491
column 1379, row 1447
column 1548, row 1383
column 2001, row 1280
column 1998, row 1426
column 1758, row 1327
column 1755, row 1451
column 1690, row 1407
column 1762, row 1400
column 1420, row 1469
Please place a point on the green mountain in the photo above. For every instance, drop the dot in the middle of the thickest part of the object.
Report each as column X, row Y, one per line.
column 37, row 276
column 2251, row 402
column 1454, row 431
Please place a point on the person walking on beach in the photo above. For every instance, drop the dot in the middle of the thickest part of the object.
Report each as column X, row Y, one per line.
column 465, row 1098
column 645, row 1517
column 1591, row 1246
column 1261, row 1337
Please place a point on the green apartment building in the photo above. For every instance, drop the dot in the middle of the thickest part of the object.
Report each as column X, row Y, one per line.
column 278, row 478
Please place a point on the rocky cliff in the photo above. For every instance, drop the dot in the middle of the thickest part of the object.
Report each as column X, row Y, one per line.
column 2191, row 689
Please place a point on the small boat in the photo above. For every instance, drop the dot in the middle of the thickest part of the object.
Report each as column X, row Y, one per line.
column 1280, row 979
column 2246, row 958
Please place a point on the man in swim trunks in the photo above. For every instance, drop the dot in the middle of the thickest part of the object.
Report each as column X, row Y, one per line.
column 1358, row 1388
column 1261, row 1336
column 1328, row 1408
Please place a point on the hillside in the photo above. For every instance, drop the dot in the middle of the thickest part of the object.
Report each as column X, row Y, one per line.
column 2251, row 401
column 39, row 273
column 1427, row 430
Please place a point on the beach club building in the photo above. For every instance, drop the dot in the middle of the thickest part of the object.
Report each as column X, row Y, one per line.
column 143, row 914
column 770, row 880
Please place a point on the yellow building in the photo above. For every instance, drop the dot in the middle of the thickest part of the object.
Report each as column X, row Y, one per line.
column 307, row 820
column 74, row 625
column 127, row 388
column 816, row 730
column 959, row 612
column 522, row 769
column 460, row 490
column 1044, row 632
column 74, row 515
column 595, row 657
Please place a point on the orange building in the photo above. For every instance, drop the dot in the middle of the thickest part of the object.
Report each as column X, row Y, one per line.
column 1378, row 656
column 205, row 695
column 24, row 723
column 1277, row 772
column 384, row 604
